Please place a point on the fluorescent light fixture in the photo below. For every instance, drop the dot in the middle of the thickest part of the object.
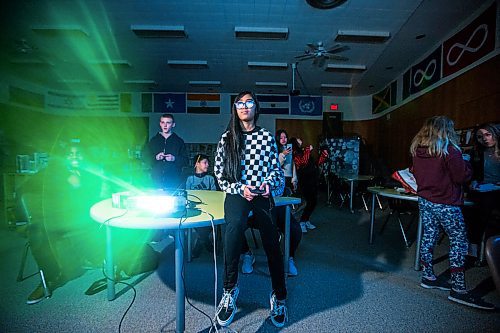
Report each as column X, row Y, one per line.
column 267, row 65
column 188, row 63
column 74, row 81
column 335, row 86
column 271, row 84
column 361, row 36
column 117, row 62
column 35, row 62
column 204, row 83
column 139, row 82
column 159, row 31
column 54, row 30
column 344, row 68
column 260, row 33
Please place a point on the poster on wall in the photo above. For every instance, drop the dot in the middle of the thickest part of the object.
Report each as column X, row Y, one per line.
column 471, row 43
column 306, row 105
column 343, row 156
column 169, row 103
column 426, row 73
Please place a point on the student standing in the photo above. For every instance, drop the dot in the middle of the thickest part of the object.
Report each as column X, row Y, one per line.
column 441, row 171
column 167, row 154
column 246, row 161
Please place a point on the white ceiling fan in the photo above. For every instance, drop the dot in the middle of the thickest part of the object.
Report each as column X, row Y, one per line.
column 320, row 54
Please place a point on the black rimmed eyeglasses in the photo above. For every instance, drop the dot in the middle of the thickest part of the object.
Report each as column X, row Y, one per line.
column 245, row 105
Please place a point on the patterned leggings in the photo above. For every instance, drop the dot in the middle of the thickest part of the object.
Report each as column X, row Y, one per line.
column 450, row 218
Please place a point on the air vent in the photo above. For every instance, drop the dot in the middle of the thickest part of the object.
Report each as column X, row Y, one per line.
column 159, row 31
column 271, row 84
column 204, row 83
column 187, row 63
column 260, row 33
column 354, row 36
column 344, row 68
column 335, row 86
column 268, row 65
column 57, row 30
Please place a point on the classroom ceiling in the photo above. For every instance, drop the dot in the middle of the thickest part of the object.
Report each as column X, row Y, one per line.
column 222, row 45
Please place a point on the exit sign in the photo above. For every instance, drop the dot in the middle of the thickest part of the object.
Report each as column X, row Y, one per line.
column 334, row 107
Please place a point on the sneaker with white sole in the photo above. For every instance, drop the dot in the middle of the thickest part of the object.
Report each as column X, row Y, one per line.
column 303, row 227
column 248, row 261
column 227, row 306
column 279, row 312
column 438, row 283
column 292, row 269
column 466, row 298
column 309, row 225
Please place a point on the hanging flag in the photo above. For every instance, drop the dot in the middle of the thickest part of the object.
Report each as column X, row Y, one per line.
column 103, row 102
column 65, row 101
column 147, row 102
column 26, row 97
column 471, row 43
column 169, row 103
column 427, row 72
column 274, row 104
column 203, row 103
column 381, row 100
column 306, row 105
column 126, row 102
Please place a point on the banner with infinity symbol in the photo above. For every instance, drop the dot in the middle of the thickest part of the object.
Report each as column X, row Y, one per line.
column 426, row 73
column 471, row 43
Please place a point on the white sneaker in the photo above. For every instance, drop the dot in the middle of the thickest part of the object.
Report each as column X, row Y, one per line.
column 309, row 225
column 248, row 261
column 303, row 227
column 292, row 269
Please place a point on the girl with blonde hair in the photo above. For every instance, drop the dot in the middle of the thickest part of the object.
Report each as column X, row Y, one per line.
column 441, row 171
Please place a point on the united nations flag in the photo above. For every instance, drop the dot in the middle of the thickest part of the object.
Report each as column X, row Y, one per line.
column 306, row 105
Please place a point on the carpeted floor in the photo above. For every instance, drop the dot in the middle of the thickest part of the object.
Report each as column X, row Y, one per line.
column 344, row 285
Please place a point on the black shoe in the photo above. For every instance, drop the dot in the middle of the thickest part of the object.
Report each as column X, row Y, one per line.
column 38, row 295
column 466, row 298
column 279, row 312
column 439, row 283
column 227, row 307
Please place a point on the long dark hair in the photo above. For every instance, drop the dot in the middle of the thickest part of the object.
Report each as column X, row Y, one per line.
column 296, row 148
column 233, row 145
column 495, row 132
column 277, row 137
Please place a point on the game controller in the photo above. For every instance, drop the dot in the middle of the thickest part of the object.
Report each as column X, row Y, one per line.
column 257, row 191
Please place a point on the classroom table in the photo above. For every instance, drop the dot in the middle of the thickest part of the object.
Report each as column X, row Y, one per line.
column 210, row 208
column 392, row 193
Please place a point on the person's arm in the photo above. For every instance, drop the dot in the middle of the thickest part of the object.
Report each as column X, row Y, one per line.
column 211, row 183
column 302, row 160
column 460, row 170
column 189, row 183
column 323, row 157
column 224, row 184
column 276, row 178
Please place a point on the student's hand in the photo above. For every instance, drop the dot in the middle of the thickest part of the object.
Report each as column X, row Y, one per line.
column 247, row 194
column 287, row 151
column 169, row 157
column 160, row 156
column 266, row 187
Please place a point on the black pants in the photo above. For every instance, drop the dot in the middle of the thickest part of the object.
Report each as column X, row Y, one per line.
column 295, row 230
column 236, row 209
column 310, row 193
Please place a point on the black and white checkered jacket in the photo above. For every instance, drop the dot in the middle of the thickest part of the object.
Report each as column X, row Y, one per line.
column 259, row 163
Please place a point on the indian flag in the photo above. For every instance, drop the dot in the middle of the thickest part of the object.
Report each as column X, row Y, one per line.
column 203, row 103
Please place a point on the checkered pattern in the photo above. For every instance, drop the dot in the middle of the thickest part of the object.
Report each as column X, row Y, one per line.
column 259, row 163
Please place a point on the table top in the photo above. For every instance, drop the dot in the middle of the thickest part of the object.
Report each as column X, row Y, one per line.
column 207, row 204
column 357, row 177
column 392, row 193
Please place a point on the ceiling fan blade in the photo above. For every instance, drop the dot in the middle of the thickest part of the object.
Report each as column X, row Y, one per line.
column 338, row 48
column 305, row 56
column 312, row 46
column 336, row 57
